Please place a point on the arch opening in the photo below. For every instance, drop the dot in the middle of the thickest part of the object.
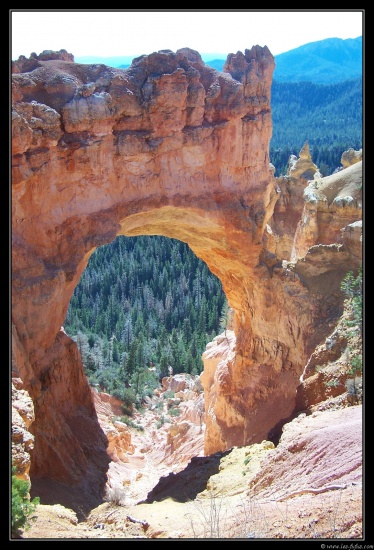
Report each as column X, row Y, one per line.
column 144, row 303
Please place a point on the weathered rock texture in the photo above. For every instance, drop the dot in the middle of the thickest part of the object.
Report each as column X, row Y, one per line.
column 333, row 373
column 331, row 203
column 167, row 147
column 351, row 157
column 290, row 204
column 22, row 439
column 330, row 443
column 109, row 410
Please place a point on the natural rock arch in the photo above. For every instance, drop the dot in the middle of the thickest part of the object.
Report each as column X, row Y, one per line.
column 167, row 147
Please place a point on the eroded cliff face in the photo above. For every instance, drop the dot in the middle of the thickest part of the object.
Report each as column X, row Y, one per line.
column 167, row 147
column 324, row 215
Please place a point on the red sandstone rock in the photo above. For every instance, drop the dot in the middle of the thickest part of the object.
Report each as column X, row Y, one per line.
column 331, row 203
column 22, row 439
column 169, row 147
column 109, row 411
column 314, row 452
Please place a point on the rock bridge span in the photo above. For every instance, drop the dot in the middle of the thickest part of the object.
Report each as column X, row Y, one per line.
column 167, row 147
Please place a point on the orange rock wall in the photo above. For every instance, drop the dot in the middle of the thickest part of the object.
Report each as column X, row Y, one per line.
column 167, row 147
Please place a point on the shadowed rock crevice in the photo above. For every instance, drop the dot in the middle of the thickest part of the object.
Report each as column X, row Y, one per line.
column 187, row 484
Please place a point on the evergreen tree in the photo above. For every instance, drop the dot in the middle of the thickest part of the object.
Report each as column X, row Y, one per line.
column 22, row 506
column 330, row 117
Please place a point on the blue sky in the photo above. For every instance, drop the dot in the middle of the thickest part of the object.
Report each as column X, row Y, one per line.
column 122, row 32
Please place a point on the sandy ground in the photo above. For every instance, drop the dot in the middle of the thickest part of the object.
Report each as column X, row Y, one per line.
column 336, row 514
column 305, row 488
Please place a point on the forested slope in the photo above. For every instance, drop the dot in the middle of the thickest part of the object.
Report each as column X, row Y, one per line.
column 330, row 117
column 144, row 302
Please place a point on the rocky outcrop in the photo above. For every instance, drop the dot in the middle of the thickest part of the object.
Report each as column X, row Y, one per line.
column 312, row 209
column 22, row 439
column 219, row 354
column 288, row 208
column 351, row 157
column 181, row 383
column 109, row 412
column 25, row 65
column 333, row 374
column 180, row 412
column 323, row 464
column 168, row 147
column 330, row 204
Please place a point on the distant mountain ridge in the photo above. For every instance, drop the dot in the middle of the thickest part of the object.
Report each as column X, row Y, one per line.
column 326, row 61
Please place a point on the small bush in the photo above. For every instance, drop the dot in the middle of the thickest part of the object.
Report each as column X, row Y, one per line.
column 128, row 422
column 356, row 365
column 115, row 495
column 175, row 411
column 129, row 399
column 162, row 421
column 352, row 288
column 169, row 394
column 333, row 383
column 22, row 506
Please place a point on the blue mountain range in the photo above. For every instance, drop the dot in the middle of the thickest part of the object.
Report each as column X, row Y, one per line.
column 326, row 61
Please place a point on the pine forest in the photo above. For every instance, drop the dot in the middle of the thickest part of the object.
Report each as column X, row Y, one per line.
column 145, row 307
